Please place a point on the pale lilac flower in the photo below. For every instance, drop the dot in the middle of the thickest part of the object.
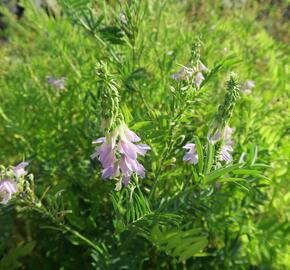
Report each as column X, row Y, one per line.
column 7, row 189
column 202, row 67
column 226, row 149
column 187, row 73
column 225, row 134
column 228, row 133
column 247, row 88
column 59, row 84
column 19, row 170
column 183, row 74
column 123, row 18
column 225, row 152
column 130, row 152
column 198, row 79
column 106, row 155
column 191, row 156
column 122, row 145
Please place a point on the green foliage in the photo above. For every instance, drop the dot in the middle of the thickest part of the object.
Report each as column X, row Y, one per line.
column 117, row 58
column 12, row 259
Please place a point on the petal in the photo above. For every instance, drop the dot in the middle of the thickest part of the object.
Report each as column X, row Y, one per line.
column 189, row 146
column 130, row 135
column 202, row 67
column 99, row 140
column 194, row 159
column 21, row 165
column 140, row 170
column 216, row 137
column 7, row 189
column 127, row 148
column 187, row 157
column 142, row 149
column 225, row 153
column 126, row 170
column 228, row 132
column 109, row 172
column 198, row 79
column 126, row 180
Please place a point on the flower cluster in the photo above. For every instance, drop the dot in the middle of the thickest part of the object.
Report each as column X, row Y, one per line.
column 188, row 73
column 8, row 186
column 118, row 154
column 227, row 144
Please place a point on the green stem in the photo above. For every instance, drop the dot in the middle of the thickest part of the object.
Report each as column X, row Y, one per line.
column 40, row 208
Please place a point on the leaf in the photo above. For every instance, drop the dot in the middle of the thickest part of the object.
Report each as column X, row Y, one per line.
column 178, row 243
column 12, row 259
column 220, row 172
column 142, row 125
column 127, row 114
column 209, row 157
column 211, row 74
column 250, row 172
column 112, row 34
column 194, row 249
column 231, row 179
column 253, row 154
column 199, row 153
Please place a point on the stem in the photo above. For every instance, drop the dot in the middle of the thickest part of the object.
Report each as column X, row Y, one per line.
column 81, row 237
column 40, row 208
column 167, row 151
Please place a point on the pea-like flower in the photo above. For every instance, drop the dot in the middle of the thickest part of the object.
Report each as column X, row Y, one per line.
column 183, row 74
column 247, row 88
column 224, row 135
column 57, row 83
column 227, row 146
column 118, row 154
column 19, row 170
column 187, row 73
column 7, row 189
column 198, row 79
column 225, row 152
column 123, row 19
column 191, row 156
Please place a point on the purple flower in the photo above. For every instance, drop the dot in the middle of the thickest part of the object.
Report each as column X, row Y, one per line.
column 247, row 88
column 198, row 79
column 121, row 144
column 202, row 67
column 224, row 135
column 225, row 152
column 7, row 189
column 228, row 133
column 19, row 170
column 186, row 73
column 59, row 84
column 191, row 156
column 226, row 149
column 183, row 74
column 106, row 155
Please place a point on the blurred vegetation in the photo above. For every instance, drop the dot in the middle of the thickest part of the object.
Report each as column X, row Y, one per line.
column 210, row 225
